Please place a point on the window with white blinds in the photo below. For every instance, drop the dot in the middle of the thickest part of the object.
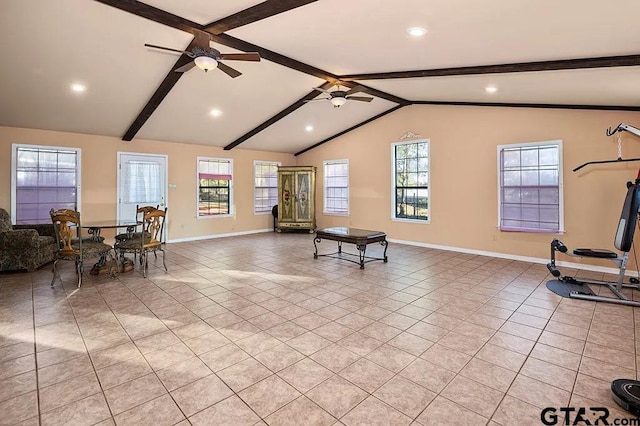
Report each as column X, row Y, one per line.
column 265, row 186
column 530, row 187
column 215, row 191
column 336, row 187
column 43, row 178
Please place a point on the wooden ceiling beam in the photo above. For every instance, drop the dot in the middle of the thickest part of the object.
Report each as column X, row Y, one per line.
column 489, row 104
column 153, row 13
column 288, row 110
column 256, row 13
column 261, row 11
column 533, row 105
column 145, row 11
column 270, row 55
column 558, row 65
column 389, row 111
column 378, row 93
column 161, row 92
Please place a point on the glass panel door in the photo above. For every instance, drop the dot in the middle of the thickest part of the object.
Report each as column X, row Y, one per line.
column 142, row 180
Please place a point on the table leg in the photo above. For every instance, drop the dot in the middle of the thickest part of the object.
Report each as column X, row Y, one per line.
column 130, row 230
column 339, row 246
column 95, row 234
column 316, row 240
column 385, row 244
column 362, row 248
column 97, row 267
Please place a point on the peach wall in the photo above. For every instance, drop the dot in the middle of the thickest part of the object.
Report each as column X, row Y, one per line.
column 464, row 178
column 99, row 163
column 463, row 175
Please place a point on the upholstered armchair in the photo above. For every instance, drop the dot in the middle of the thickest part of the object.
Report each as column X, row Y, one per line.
column 25, row 246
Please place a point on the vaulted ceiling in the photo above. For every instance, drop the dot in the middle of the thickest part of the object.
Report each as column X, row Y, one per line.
column 546, row 53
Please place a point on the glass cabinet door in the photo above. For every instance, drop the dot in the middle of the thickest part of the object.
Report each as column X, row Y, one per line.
column 303, row 196
column 286, row 197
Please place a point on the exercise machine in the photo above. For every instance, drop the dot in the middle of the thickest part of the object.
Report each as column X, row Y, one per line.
column 579, row 288
column 622, row 127
column 626, row 392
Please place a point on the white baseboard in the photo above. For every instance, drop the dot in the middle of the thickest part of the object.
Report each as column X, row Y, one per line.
column 209, row 237
column 583, row 266
column 539, row 260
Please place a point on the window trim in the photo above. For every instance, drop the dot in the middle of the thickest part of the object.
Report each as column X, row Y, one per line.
column 231, row 198
column 561, row 229
column 255, row 163
column 324, row 187
column 14, row 158
column 393, row 181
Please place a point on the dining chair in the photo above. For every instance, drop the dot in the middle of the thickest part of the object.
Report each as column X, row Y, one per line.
column 67, row 229
column 140, row 212
column 149, row 240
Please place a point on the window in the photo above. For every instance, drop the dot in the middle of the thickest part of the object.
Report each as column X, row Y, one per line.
column 215, row 191
column 336, row 187
column 43, row 178
column 142, row 184
column 265, row 186
column 411, row 180
column 530, row 187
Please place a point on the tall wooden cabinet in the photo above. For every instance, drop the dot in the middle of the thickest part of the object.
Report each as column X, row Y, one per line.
column 297, row 198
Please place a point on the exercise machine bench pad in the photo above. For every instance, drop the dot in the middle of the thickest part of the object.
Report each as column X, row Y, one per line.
column 599, row 253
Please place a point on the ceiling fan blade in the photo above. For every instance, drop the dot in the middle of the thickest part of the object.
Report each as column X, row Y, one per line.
column 355, row 89
column 255, row 57
column 320, row 89
column 202, row 38
column 317, row 99
column 169, row 49
column 228, row 70
column 186, row 67
column 360, row 98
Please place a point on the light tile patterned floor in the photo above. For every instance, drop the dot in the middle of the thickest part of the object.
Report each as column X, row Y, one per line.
column 252, row 330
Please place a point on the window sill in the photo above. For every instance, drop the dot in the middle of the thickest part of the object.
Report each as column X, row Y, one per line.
column 531, row 231
column 423, row 222
column 335, row 214
column 215, row 216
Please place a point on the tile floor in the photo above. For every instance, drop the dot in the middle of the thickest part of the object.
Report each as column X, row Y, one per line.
column 252, row 330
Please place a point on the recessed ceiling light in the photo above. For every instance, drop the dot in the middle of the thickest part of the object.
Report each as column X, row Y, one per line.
column 215, row 112
column 309, row 128
column 416, row 31
column 491, row 89
column 77, row 87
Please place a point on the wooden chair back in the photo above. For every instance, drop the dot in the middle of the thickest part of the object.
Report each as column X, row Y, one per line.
column 66, row 223
column 153, row 224
column 142, row 210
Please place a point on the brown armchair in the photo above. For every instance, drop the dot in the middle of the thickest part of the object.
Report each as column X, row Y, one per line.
column 25, row 246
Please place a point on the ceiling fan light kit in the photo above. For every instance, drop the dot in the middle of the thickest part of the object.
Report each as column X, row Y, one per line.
column 338, row 101
column 206, row 63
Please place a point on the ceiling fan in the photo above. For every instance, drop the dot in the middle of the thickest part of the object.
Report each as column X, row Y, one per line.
column 207, row 58
column 339, row 97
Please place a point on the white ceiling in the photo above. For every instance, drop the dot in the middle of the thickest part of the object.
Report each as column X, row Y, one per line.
column 48, row 45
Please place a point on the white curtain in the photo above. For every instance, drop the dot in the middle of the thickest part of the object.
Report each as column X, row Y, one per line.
column 142, row 185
